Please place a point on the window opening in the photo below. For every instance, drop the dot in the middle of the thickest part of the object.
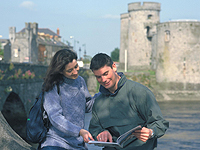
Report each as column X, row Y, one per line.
column 167, row 35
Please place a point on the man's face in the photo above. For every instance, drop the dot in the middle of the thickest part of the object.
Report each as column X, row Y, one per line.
column 107, row 77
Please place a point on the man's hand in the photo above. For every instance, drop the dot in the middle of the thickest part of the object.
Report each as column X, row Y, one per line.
column 144, row 134
column 104, row 136
column 86, row 135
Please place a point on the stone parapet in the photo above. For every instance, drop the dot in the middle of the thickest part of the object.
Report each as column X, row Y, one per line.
column 146, row 6
column 124, row 16
column 9, row 139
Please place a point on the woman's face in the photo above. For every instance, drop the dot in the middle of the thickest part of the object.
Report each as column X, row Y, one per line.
column 71, row 70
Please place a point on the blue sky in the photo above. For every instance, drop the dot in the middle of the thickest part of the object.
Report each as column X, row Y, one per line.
column 94, row 23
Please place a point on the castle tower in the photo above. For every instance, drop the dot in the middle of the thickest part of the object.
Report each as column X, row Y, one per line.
column 124, row 38
column 12, row 33
column 178, row 51
column 24, row 43
column 138, row 26
column 34, row 46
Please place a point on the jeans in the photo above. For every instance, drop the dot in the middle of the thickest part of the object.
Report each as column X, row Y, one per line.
column 52, row 148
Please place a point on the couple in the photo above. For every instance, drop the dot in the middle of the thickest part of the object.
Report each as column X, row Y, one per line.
column 120, row 105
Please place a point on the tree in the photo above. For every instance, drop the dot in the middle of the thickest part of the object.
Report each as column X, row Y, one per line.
column 1, row 51
column 115, row 54
column 87, row 59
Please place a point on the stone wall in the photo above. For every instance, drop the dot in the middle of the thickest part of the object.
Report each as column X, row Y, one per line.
column 27, row 89
column 9, row 140
column 178, row 52
column 171, row 48
column 137, row 28
column 24, row 45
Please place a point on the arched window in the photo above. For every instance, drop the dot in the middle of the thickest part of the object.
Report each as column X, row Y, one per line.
column 149, row 16
column 167, row 35
column 149, row 35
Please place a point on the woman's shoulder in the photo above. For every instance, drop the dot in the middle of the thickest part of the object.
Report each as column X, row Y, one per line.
column 80, row 78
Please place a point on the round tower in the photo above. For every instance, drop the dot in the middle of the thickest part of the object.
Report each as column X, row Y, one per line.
column 178, row 51
column 123, row 39
column 141, row 23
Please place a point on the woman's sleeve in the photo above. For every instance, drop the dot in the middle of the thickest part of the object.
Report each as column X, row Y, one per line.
column 89, row 99
column 54, row 111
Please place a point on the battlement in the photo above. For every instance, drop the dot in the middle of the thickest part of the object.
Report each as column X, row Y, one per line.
column 145, row 6
column 32, row 26
column 124, row 16
column 179, row 23
column 21, row 35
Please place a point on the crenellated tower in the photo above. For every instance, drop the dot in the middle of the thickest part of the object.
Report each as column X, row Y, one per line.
column 138, row 28
column 24, row 44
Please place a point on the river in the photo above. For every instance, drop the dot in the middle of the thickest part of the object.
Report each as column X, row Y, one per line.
column 184, row 130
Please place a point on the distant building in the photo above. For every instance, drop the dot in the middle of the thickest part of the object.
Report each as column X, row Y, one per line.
column 138, row 27
column 6, row 47
column 171, row 48
column 34, row 45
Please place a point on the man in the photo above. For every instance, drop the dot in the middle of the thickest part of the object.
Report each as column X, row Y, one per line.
column 123, row 105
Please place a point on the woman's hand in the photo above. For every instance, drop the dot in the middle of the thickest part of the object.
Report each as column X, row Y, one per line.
column 86, row 135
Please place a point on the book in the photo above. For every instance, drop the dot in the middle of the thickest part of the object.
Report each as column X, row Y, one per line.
column 120, row 140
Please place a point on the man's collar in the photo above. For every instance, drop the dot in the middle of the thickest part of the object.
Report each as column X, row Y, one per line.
column 121, row 82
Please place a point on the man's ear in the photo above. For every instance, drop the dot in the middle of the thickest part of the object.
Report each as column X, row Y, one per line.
column 114, row 67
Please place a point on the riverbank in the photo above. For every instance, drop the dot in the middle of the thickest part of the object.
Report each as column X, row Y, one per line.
column 165, row 91
column 184, row 120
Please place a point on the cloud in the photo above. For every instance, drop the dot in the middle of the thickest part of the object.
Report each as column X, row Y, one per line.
column 28, row 5
column 109, row 16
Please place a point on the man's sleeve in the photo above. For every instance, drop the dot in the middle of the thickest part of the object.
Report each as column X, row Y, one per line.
column 95, row 127
column 150, row 112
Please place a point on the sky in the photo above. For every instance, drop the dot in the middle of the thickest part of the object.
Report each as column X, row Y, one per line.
column 93, row 23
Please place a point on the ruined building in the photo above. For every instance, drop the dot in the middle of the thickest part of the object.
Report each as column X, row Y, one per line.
column 170, row 48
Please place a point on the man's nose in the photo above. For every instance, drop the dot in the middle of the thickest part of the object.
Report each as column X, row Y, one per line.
column 103, row 79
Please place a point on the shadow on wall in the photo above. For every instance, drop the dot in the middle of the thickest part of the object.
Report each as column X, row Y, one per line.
column 15, row 114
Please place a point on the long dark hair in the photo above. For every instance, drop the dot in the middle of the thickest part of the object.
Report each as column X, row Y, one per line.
column 56, row 67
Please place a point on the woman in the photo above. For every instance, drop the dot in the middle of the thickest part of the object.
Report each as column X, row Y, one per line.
column 66, row 110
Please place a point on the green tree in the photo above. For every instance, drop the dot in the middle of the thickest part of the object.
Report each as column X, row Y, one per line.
column 1, row 50
column 115, row 54
column 87, row 59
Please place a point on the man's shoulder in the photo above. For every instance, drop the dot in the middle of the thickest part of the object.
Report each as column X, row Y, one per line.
column 99, row 97
column 132, row 83
column 136, row 86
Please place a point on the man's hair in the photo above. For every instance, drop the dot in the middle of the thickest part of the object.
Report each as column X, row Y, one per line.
column 100, row 60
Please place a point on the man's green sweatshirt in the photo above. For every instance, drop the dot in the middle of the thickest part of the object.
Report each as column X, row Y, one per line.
column 132, row 104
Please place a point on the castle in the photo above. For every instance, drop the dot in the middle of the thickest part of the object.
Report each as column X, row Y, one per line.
column 170, row 48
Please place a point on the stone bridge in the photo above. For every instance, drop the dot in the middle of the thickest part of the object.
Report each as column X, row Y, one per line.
column 19, row 85
column 25, row 80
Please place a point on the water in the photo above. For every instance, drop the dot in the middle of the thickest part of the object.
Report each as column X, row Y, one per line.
column 184, row 130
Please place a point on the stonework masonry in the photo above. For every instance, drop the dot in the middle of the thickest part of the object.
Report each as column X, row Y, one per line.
column 33, row 45
column 137, row 29
column 171, row 49
column 24, row 45
column 27, row 89
column 178, row 52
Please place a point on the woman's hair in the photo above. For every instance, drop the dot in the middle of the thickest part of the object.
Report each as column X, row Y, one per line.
column 56, row 67
column 100, row 60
